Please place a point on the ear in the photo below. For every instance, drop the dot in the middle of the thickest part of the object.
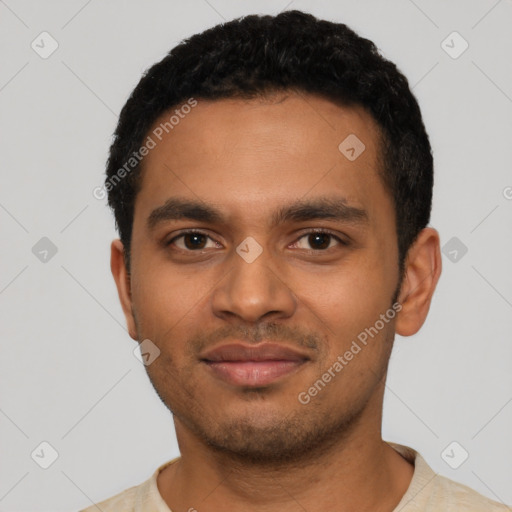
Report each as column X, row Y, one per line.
column 422, row 271
column 122, row 279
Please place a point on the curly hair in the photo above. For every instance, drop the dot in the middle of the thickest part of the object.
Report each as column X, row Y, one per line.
column 255, row 55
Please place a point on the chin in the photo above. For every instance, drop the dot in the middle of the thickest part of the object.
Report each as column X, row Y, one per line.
column 272, row 439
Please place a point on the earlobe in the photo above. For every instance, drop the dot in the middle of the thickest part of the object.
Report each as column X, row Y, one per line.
column 122, row 279
column 422, row 271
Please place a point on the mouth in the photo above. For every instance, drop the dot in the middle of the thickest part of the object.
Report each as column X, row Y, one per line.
column 255, row 365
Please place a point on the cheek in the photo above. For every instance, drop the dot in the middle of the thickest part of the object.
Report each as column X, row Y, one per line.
column 346, row 300
column 346, row 306
column 164, row 298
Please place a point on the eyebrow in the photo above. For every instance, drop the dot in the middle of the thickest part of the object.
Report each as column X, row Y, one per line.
column 300, row 211
column 176, row 209
column 320, row 208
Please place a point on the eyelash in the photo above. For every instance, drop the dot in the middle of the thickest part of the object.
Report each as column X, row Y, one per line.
column 305, row 234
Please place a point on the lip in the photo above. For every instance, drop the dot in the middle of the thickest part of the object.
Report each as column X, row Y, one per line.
column 254, row 365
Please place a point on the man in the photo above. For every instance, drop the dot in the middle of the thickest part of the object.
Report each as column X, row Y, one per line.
column 271, row 180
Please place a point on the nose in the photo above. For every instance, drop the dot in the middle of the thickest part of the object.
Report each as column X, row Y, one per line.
column 253, row 291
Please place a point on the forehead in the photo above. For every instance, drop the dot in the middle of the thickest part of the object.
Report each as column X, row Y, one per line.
column 250, row 155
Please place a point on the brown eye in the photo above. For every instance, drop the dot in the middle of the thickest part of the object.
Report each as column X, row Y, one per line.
column 194, row 241
column 319, row 240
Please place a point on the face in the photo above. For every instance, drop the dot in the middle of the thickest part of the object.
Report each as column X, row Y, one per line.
column 261, row 256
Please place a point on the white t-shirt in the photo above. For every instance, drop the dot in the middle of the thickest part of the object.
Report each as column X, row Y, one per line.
column 427, row 492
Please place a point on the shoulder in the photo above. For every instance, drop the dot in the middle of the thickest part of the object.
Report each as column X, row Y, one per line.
column 124, row 501
column 432, row 492
column 456, row 496
column 144, row 497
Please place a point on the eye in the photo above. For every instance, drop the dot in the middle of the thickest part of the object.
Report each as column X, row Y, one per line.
column 193, row 241
column 318, row 241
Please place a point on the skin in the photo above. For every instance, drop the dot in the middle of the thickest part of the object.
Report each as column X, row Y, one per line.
column 262, row 449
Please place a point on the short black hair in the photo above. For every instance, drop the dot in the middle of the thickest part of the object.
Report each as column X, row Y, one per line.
column 256, row 55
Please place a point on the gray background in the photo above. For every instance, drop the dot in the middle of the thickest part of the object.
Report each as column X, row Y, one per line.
column 67, row 371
